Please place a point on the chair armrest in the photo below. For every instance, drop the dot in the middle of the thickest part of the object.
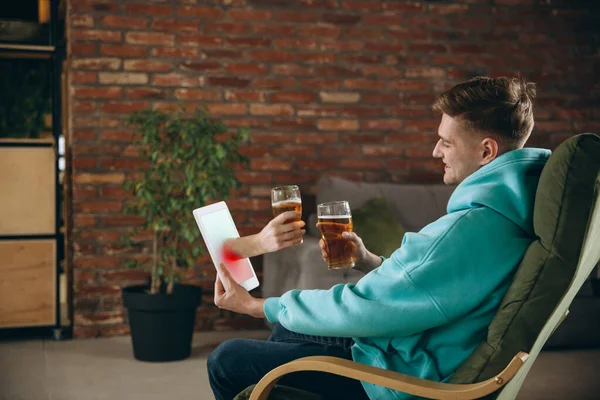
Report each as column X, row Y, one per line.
column 390, row 379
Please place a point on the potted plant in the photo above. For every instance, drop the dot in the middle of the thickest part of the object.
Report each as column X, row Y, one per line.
column 191, row 160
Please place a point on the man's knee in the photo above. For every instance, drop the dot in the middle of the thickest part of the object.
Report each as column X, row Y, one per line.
column 224, row 357
column 279, row 333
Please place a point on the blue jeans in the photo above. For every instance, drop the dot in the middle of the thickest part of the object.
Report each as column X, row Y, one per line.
column 238, row 363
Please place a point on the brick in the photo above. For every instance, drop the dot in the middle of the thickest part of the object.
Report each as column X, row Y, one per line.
column 340, row 97
column 147, row 65
column 119, row 21
column 115, row 330
column 178, row 52
column 362, row 112
column 145, row 93
column 273, row 83
column 403, row 6
column 112, row 164
column 316, row 58
column 125, row 276
column 78, row 77
column 271, row 56
column 84, row 106
column 95, row 122
column 117, row 135
column 245, row 96
column 123, row 78
column 382, row 150
column 294, row 151
column 363, row 138
column 200, row 66
column 410, row 85
column 274, row 29
column 227, row 81
column 174, row 80
column 292, row 70
column 83, row 135
column 221, row 53
column 295, row 43
column 364, row 34
column 381, row 71
column 425, row 72
column 121, row 220
column 270, row 165
column 95, row 262
column 150, row 38
column 202, row 12
column 320, row 31
column 383, row 20
column 198, row 94
column 383, row 124
column 96, row 5
column 95, row 34
column 246, row 69
column 149, row 9
column 340, row 45
column 226, row 27
column 365, row 84
column 82, row 20
column 83, row 49
column 317, row 165
column 361, row 5
column 418, row 125
column 96, row 63
column 97, row 149
column 320, row 84
column 85, row 192
column 467, row 49
column 124, row 107
column 296, row 123
column 83, row 92
column 249, row 42
column 338, row 151
column 353, row 163
column 341, row 19
column 195, row 39
column 123, row 50
column 292, row 97
column 337, row 124
column 81, row 220
column 81, row 163
column 409, row 34
column 98, row 206
column 175, row 25
column 253, row 151
column 271, row 137
column 267, row 109
column 364, row 59
column 85, row 332
column 84, row 178
column 227, row 109
column 313, row 110
column 387, row 46
column 249, row 15
column 110, row 192
column 253, row 177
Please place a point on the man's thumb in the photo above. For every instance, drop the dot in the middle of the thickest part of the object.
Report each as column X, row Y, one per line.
column 225, row 275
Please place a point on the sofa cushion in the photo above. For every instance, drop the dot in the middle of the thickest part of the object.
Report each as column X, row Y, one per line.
column 377, row 227
column 563, row 202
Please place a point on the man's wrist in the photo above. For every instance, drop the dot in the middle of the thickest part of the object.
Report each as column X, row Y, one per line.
column 256, row 308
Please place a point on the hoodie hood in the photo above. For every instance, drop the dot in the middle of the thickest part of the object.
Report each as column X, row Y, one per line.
column 507, row 185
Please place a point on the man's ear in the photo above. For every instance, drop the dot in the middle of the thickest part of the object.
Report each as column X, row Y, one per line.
column 489, row 147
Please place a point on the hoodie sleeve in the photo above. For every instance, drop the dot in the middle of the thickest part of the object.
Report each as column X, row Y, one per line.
column 436, row 276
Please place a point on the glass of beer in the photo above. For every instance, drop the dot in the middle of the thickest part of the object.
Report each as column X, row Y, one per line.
column 286, row 198
column 334, row 218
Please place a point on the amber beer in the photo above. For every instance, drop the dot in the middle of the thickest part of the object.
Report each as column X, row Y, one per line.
column 287, row 205
column 334, row 218
column 286, row 198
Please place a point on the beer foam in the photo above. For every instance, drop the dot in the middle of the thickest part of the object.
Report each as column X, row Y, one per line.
column 290, row 201
column 335, row 216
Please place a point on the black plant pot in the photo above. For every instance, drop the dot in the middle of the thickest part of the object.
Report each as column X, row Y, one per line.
column 162, row 325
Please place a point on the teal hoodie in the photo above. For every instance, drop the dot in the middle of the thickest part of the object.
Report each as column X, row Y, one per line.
column 425, row 309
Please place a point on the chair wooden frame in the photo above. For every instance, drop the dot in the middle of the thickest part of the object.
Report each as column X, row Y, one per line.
column 517, row 368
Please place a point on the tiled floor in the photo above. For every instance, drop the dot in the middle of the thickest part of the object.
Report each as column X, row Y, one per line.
column 104, row 369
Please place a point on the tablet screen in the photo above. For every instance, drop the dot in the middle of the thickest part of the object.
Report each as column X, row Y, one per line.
column 220, row 227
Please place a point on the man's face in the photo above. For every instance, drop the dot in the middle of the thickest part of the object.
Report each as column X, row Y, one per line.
column 461, row 151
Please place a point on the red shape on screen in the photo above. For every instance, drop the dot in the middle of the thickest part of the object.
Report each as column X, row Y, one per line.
column 229, row 255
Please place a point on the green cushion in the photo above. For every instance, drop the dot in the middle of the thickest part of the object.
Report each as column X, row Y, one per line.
column 564, row 200
column 281, row 393
column 377, row 227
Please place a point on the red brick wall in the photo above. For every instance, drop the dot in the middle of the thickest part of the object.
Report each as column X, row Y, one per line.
column 336, row 86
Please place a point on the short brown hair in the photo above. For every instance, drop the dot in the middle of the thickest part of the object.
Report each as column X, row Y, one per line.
column 499, row 106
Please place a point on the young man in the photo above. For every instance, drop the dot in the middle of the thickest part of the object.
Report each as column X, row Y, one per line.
column 422, row 311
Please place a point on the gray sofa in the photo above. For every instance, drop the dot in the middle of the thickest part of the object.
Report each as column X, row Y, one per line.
column 414, row 206
column 301, row 267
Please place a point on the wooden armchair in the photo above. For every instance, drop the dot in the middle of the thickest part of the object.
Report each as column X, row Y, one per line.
column 567, row 222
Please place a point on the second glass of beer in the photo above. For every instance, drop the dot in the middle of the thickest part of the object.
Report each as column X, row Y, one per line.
column 334, row 218
column 286, row 198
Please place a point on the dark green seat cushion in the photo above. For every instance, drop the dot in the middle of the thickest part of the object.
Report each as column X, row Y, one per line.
column 281, row 393
column 564, row 200
column 377, row 227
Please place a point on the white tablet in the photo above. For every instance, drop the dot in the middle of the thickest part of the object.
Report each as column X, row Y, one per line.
column 216, row 226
